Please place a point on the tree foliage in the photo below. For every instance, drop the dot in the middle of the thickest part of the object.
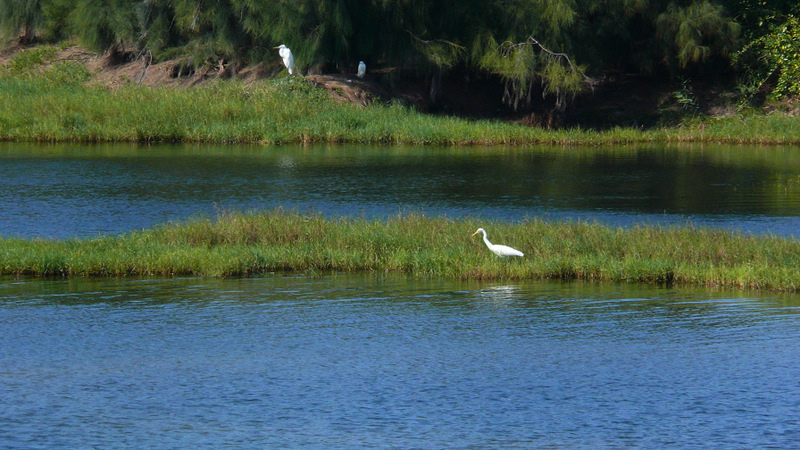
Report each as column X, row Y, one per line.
column 696, row 33
column 775, row 55
column 533, row 46
column 103, row 24
column 21, row 17
column 782, row 54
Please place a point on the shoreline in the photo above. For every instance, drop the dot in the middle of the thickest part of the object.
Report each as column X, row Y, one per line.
column 230, row 112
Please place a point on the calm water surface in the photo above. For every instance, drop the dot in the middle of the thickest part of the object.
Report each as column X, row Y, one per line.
column 360, row 361
column 72, row 190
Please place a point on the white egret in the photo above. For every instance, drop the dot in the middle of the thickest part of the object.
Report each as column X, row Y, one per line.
column 288, row 59
column 362, row 69
column 500, row 250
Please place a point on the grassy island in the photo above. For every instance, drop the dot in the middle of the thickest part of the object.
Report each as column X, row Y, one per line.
column 239, row 244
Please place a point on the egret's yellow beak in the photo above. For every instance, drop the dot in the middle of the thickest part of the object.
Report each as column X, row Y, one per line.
column 474, row 233
column 277, row 47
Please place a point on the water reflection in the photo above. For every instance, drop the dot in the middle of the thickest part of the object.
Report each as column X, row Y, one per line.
column 366, row 361
column 79, row 190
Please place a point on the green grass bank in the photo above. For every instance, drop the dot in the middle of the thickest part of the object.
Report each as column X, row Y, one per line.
column 57, row 102
column 239, row 244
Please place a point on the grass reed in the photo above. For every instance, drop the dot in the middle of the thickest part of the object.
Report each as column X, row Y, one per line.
column 243, row 244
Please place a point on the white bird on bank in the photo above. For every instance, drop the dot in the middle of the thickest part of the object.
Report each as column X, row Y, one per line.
column 362, row 69
column 500, row 250
column 288, row 58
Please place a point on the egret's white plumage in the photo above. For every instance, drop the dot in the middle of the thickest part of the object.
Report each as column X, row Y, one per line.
column 288, row 58
column 500, row 250
column 362, row 69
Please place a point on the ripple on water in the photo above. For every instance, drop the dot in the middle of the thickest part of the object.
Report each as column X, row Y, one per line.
column 356, row 361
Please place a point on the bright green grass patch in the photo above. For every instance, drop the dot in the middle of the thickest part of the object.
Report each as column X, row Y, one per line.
column 284, row 110
column 238, row 244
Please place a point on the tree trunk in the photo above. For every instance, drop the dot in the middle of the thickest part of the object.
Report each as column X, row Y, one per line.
column 435, row 94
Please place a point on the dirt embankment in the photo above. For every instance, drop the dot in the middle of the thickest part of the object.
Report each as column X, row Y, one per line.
column 116, row 69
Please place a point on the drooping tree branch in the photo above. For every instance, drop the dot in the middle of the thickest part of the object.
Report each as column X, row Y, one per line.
column 442, row 55
column 557, row 78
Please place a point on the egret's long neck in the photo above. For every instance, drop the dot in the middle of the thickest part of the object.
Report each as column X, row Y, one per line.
column 485, row 239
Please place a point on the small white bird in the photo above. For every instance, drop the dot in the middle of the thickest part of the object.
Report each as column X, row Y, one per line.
column 362, row 69
column 500, row 250
column 288, row 59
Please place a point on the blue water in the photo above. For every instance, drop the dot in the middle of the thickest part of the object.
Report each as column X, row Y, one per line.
column 372, row 361
column 368, row 361
column 77, row 190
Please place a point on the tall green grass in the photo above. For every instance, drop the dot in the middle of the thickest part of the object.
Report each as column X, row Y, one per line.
column 239, row 244
column 53, row 102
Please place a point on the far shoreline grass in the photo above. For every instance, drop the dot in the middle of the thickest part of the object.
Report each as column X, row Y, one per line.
column 257, row 243
column 59, row 103
column 291, row 110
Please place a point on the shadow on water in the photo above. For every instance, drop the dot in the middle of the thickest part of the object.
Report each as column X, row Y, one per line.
column 370, row 288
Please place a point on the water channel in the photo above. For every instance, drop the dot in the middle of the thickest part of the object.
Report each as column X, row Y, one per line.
column 370, row 360
column 63, row 191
